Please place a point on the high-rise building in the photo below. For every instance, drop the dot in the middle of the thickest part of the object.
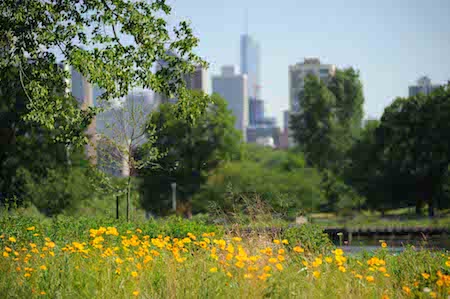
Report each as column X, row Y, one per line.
column 423, row 86
column 285, row 120
column 233, row 88
column 256, row 111
column 250, row 65
column 83, row 92
column 297, row 75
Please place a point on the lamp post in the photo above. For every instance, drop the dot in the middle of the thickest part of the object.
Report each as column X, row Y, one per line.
column 174, row 196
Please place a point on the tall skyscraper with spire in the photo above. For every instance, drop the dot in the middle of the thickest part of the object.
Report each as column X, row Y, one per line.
column 250, row 66
column 250, row 63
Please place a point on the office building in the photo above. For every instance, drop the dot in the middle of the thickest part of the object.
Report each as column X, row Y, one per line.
column 297, row 75
column 83, row 92
column 256, row 111
column 423, row 86
column 250, row 65
column 233, row 88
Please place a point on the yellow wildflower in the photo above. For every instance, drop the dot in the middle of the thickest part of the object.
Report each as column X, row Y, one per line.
column 267, row 268
column 299, row 249
column 342, row 269
column 276, row 241
column 370, row 278
column 43, row 267
column 425, row 275
column 213, row 270
column 329, row 260
column 229, row 274
column 31, row 228
column 406, row 290
column 134, row 274
column 384, row 245
column 237, row 239
column 12, row 239
column 316, row 274
column 136, row 293
column 273, row 260
column 285, row 241
column 279, row 267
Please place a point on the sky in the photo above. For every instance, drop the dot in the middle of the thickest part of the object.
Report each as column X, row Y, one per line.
column 391, row 42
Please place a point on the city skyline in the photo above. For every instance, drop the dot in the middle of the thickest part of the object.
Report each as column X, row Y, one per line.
column 383, row 40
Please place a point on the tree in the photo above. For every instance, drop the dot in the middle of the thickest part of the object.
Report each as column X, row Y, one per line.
column 113, row 43
column 26, row 145
column 348, row 91
column 190, row 150
column 315, row 126
column 413, row 143
column 125, row 130
column 262, row 173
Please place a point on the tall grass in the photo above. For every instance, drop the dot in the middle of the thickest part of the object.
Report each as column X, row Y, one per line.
column 175, row 258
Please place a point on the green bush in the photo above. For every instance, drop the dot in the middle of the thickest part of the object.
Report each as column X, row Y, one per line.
column 309, row 236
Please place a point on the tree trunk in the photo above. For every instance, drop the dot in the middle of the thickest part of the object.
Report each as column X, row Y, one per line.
column 128, row 198
column 419, row 206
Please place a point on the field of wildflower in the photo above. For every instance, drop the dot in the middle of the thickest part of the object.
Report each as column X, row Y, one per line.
column 130, row 261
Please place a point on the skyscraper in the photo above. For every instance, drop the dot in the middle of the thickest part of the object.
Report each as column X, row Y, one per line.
column 83, row 91
column 423, row 86
column 233, row 88
column 297, row 75
column 250, row 64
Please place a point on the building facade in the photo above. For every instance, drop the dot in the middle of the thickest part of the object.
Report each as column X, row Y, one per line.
column 83, row 92
column 250, row 64
column 423, row 86
column 256, row 111
column 297, row 75
column 233, row 88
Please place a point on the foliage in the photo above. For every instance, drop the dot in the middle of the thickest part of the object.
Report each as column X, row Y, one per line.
column 190, row 150
column 92, row 37
column 286, row 187
column 347, row 88
column 413, row 136
column 310, row 236
column 124, row 261
column 314, row 127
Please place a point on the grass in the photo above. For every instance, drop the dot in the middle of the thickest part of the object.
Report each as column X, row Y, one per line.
column 101, row 258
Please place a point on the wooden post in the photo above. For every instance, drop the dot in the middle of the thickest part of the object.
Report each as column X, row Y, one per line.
column 117, row 206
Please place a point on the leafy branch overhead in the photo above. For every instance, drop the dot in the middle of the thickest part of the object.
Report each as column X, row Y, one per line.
column 116, row 44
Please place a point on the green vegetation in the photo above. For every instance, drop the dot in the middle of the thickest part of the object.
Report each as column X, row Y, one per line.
column 179, row 258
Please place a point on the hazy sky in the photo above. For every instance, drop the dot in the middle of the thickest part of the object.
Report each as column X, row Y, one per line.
column 391, row 42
